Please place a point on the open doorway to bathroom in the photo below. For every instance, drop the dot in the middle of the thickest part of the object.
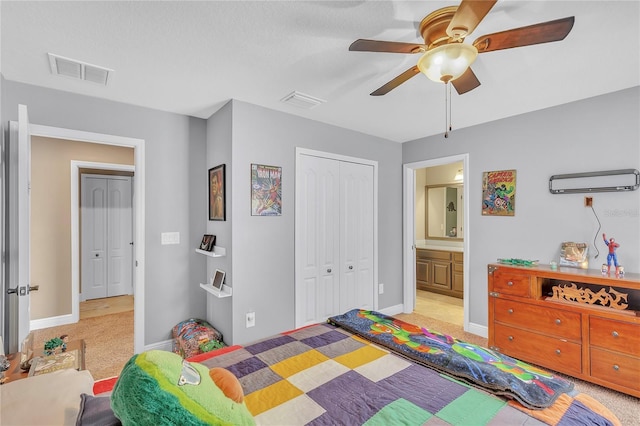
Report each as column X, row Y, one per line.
column 439, row 231
column 436, row 246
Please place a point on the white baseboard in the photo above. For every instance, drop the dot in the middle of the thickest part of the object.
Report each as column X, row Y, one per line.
column 392, row 310
column 480, row 330
column 166, row 345
column 38, row 324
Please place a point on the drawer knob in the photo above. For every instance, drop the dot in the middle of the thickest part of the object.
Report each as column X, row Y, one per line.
column 510, row 283
column 616, row 367
column 558, row 322
column 615, row 334
column 329, row 271
column 510, row 338
column 557, row 351
column 510, row 311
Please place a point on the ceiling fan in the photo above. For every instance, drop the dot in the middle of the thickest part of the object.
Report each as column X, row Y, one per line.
column 446, row 58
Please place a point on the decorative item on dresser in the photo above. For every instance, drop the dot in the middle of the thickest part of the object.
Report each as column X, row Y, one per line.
column 440, row 271
column 574, row 321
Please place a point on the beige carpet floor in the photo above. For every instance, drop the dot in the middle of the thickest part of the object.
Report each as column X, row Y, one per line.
column 108, row 339
column 625, row 407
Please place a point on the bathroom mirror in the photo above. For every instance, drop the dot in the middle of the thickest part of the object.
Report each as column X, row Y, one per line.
column 444, row 217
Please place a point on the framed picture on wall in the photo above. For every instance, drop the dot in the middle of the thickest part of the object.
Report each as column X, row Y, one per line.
column 266, row 190
column 217, row 210
column 499, row 193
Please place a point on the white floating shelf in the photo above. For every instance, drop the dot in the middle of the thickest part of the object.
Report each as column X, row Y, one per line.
column 217, row 252
column 225, row 292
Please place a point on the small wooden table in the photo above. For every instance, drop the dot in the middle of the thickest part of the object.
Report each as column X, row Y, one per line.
column 16, row 373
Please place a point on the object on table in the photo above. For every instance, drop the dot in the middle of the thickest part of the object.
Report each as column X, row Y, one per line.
column 518, row 262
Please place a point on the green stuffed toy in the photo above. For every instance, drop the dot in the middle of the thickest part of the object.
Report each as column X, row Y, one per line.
column 159, row 388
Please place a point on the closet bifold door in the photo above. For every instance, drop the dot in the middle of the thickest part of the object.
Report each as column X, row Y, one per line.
column 334, row 241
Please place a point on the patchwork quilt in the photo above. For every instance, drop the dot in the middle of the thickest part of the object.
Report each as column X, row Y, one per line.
column 325, row 375
column 497, row 373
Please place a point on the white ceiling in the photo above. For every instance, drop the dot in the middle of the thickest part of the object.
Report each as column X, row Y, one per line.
column 192, row 57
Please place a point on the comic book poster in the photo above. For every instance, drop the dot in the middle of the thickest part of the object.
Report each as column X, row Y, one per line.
column 499, row 193
column 266, row 190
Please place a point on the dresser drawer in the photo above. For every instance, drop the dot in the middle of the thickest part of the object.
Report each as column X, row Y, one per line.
column 534, row 348
column 614, row 335
column 616, row 368
column 553, row 322
column 510, row 282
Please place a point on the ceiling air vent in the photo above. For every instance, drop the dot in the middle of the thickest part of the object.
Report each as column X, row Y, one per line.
column 78, row 69
column 301, row 100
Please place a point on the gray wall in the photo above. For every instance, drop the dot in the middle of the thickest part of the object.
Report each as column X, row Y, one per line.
column 175, row 184
column 600, row 133
column 263, row 247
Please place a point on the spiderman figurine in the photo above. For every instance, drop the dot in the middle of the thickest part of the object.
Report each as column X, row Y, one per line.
column 612, row 256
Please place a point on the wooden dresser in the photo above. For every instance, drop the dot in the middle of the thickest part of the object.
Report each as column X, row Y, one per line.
column 564, row 320
column 440, row 271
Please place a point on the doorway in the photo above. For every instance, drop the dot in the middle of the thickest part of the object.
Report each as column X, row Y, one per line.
column 96, row 139
column 409, row 231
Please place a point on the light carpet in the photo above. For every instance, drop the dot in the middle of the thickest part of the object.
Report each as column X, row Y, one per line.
column 108, row 339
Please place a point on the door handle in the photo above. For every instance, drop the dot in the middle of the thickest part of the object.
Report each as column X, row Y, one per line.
column 12, row 290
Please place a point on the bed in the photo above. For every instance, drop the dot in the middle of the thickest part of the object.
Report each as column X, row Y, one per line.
column 364, row 367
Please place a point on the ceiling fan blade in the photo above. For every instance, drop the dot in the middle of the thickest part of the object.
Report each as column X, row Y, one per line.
column 466, row 82
column 468, row 16
column 362, row 45
column 383, row 90
column 544, row 32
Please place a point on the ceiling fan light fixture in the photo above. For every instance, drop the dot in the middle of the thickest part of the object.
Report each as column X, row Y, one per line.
column 447, row 62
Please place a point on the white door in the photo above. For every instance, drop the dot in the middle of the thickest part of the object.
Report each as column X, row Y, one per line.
column 334, row 238
column 106, row 216
column 317, row 241
column 356, row 236
column 19, row 215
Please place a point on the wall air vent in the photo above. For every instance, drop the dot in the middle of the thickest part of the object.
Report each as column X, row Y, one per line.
column 78, row 69
column 301, row 100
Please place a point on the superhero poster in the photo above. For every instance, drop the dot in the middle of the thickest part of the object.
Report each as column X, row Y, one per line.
column 266, row 190
column 499, row 193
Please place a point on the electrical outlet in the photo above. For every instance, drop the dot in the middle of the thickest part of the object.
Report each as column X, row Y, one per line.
column 251, row 319
column 380, row 288
column 588, row 201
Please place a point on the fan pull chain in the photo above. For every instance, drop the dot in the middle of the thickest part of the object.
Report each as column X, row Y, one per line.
column 447, row 109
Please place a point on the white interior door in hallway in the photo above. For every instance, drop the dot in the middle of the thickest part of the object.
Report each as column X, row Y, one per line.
column 334, row 238
column 107, row 235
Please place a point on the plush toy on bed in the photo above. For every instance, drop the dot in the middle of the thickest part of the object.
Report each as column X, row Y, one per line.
column 160, row 388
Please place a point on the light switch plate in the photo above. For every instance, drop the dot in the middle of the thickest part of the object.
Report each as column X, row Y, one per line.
column 170, row 238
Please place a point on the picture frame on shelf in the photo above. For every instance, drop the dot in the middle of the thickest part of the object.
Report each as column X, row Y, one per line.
column 208, row 242
column 218, row 279
column 217, row 207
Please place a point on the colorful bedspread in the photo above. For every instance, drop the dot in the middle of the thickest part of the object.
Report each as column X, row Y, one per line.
column 497, row 373
column 325, row 375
